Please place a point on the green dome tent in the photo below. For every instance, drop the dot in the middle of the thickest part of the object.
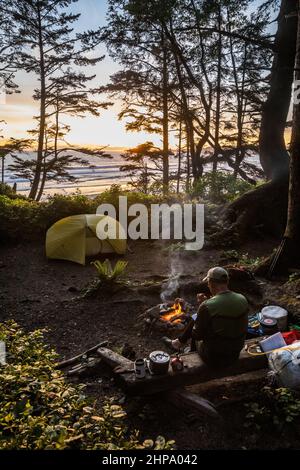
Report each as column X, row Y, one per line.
column 74, row 238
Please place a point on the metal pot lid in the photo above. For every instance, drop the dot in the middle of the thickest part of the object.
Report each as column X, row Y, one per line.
column 268, row 322
column 160, row 357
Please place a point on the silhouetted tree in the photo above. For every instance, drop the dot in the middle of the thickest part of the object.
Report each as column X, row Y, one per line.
column 143, row 165
column 49, row 49
column 140, row 46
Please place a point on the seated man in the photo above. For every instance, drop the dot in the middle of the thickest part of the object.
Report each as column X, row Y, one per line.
column 219, row 331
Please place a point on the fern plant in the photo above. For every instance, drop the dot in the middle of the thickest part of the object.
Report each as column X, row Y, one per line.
column 107, row 273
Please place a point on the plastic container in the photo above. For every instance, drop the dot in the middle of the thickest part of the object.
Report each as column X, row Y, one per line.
column 276, row 313
column 272, row 342
column 291, row 337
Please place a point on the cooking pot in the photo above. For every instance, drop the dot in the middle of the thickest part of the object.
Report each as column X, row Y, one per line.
column 159, row 362
column 268, row 326
column 276, row 313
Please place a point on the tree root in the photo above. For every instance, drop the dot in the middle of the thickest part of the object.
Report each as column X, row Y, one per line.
column 258, row 213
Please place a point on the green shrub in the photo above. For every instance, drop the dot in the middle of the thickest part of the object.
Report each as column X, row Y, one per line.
column 6, row 190
column 279, row 407
column 241, row 258
column 23, row 219
column 18, row 218
column 40, row 410
column 112, row 195
column 220, row 187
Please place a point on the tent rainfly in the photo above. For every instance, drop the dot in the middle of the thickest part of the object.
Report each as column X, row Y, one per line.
column 74, row 238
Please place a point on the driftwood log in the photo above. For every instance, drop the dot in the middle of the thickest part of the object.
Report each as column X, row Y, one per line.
column 195, row 371
column 171, row 386
column 226, row 384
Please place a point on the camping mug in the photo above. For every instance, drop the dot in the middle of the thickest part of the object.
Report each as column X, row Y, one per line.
column 140, row 369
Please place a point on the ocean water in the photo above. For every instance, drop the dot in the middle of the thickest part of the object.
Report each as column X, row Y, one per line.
column 89, row 181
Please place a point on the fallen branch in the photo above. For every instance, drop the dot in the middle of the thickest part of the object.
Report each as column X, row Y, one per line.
column 91, row 368
column 73, row 360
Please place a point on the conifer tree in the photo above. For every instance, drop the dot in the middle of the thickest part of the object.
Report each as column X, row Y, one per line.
column 51, row 50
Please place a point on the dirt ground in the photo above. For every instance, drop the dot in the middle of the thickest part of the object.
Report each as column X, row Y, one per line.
column 38, row 293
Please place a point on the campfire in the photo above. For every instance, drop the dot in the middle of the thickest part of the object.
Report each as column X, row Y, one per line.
column 174, row 314
column 167, row 318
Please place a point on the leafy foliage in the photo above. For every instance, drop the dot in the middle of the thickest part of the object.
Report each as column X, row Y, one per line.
column 40, row 410
column 24, row 219
column 6, row 190
column 107, row 273
column 294, row 277
column 220, row 187
column 279, row 407
column 241, row 258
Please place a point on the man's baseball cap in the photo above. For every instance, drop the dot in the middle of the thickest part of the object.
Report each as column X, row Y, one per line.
column 217, row 274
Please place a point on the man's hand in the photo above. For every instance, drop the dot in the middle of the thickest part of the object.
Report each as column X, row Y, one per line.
column 201, row 298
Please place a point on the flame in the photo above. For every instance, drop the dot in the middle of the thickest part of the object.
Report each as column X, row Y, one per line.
column 176, row 309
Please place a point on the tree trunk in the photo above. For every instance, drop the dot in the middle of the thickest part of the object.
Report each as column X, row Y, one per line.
column 44, row 170
column 239, row 90
column 292, row 231
column 2, row 169
column 273, row 153
column 195, row 150
column 165, row 92
column 38, row 168
column 218, row 97
column 240, row 117
column 197, row 167
column 179, row 152
column 293, row 223
column 264, row 210
column 287, row 255
column 43, row 182
column 188, row 162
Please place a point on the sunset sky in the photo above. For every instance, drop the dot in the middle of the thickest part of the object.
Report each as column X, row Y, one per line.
column 106, row 130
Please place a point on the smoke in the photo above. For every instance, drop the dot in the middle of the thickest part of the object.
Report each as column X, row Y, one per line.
column 171, row 287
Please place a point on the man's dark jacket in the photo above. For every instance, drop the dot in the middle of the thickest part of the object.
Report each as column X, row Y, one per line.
column 221, row 325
